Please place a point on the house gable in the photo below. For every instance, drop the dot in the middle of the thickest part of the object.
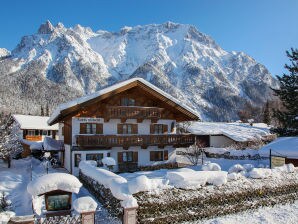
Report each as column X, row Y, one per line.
column 145, row 95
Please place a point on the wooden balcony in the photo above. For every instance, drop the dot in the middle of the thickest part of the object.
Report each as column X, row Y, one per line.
column 125, row 141
column 33, row 138
column 133, row 112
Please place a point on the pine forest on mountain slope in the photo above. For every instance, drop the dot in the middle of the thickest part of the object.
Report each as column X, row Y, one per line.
column 58, row 64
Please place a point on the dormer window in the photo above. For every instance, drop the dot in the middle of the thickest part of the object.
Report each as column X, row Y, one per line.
column 127, row 102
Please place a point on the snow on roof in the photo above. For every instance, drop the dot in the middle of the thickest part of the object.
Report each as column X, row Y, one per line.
column 237, row 131
column 86, row 98
column 52, row 182
column 284, row 146
column 34, row 122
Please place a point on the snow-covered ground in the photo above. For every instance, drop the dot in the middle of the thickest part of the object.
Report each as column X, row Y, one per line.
column 14, row 181
column 279, row 214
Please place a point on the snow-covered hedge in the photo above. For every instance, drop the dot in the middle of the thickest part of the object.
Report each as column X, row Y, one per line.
column 117, row 184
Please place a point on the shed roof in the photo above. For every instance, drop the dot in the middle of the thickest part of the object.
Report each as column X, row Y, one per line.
column 34, row 122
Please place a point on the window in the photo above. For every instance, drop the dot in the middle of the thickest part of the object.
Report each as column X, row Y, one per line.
column 91, row 128
column 77, row 158
column 108, row 154
column 158, row 128
column 96, row 157
column 127, row 102
column 158, row 155
column 44, row 132
column 127, row 129
column 31, row 132
column 49, row 132
column 127, row 156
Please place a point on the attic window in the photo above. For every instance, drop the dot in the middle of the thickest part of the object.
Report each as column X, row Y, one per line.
column 127, row 102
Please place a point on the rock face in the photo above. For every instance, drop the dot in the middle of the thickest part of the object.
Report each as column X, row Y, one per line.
column 59, row 63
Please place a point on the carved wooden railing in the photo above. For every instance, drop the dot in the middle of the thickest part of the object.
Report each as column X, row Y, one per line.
column 133, row 112
column 126, row 141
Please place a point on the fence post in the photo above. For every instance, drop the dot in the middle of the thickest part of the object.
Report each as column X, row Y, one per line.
column 88, row 217
column 130, row 215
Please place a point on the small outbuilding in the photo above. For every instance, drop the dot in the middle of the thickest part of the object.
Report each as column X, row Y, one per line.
column 286, row 147
column 221, row 135
column 57, row 189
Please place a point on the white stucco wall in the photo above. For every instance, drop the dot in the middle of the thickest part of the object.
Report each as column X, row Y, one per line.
column 75, row 170
column 220, row 141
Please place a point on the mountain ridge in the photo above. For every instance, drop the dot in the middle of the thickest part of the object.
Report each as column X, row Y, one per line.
column 177, row 58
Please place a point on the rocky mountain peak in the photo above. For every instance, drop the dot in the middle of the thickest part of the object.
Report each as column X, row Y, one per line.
column 46, row 28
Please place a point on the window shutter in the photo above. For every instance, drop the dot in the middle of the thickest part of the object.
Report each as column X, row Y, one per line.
column 172, row 126
column 83, row 128
column 151, row 155
column 135, row 157
column 120, row 157
column 135, row 128
column 151, row 128
column 99, row 128
column 165, row 128
column 120, row 128
column 166, row 155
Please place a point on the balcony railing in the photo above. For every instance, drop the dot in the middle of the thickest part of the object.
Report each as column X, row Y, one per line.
column 133, row 112
column 125, row 141
column 33, row 138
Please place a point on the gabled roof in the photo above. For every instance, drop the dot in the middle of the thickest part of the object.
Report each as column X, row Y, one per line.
column 33, row 122
column 62, row 110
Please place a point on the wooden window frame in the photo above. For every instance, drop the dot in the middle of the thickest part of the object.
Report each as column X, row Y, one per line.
column 99, row 161
column 127, row 101
column 163, row 157
column 123, row 129
column 91, row 128
column 158, row 129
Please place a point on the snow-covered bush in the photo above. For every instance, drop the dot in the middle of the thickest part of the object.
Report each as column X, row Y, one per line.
column 287, row 168
column 117, row 184
column 143, row 183
column 248, row 167
column 196, row 179
column 259, row 173
column 84, row 204
column 234, row 176
column 237, row 168
column 211, row 167
column 109, row 161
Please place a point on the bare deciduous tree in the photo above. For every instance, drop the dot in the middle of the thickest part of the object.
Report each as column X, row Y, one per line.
column 195, row 153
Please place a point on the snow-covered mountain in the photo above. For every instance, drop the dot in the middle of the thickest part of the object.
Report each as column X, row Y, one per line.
column 59, row 63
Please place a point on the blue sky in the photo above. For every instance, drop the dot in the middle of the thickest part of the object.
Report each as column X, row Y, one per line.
column 264, row 29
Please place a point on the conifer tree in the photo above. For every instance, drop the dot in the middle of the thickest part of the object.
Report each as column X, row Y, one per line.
column 41, row 111
column 288, row 93
column 267, row 114
column 47, row 110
